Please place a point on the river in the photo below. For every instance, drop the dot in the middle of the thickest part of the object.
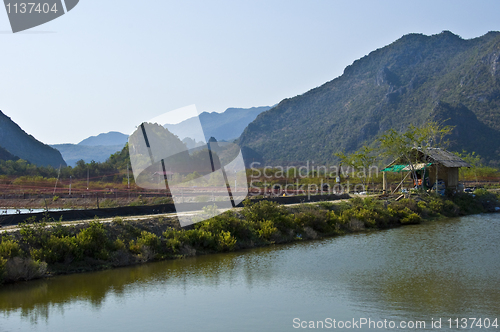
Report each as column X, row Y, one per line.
column 434, row 271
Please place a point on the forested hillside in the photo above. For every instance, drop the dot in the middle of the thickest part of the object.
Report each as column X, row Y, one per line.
column 19, row 143
column 416, row 78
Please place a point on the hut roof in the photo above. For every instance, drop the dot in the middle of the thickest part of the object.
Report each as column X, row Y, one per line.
column 443, row 157
column 434, row 156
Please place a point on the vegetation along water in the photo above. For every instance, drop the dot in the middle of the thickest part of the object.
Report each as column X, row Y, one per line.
column 40, row 249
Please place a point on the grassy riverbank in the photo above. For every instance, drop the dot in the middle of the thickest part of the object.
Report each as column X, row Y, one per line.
column 41, row 249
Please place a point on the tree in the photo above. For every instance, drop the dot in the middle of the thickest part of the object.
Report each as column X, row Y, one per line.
column 361, row 160
column 403, row 146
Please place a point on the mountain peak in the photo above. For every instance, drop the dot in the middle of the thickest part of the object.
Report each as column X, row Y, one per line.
column 223, row 126
column 110, row 138
column 17, row 142
column 392, row 87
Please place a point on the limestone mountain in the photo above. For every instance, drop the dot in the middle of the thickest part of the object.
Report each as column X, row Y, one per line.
column 223, row 126
column 17, row 142
column 97, row 148
column 111, row 138
column 75, row 152
column 418, row 77
column 6, row 155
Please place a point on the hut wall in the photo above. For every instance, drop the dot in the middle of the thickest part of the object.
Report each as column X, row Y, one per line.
column 452, row 177
column 448, row 175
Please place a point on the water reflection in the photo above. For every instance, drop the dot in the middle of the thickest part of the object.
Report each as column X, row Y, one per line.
column 447, row 268
column 209, row 271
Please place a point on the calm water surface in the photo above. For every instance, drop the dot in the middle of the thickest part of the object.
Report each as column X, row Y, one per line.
column 445, row 269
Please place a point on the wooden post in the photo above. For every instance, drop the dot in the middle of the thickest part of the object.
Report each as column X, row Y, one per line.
column 384, row 183
column 437, row 177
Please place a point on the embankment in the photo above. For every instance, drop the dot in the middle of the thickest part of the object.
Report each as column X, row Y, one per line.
column 124, row 211
column 37, row 250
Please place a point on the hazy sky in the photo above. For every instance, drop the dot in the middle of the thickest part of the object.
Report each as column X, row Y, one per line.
column 109, row 65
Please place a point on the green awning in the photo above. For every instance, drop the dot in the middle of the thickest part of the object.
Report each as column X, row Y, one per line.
column 404, row 168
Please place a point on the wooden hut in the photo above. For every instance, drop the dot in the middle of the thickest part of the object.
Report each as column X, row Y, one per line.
column 432, row 164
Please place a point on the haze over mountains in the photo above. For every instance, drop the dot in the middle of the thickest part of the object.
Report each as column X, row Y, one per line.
column 223, row 126
column 16, row 143
column 111, row 138
column 97, row 148
column 414, row 79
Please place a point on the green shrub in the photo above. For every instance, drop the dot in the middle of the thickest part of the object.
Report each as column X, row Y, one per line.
column 118, row 244
column 436, row 205
column 423, row 208
column 3, row 262
column 34, row 235
column 59, row 250
column 411, row 218
column 149, row 239
column 173, row 240
column 313, row 218
column 9, row 248
column 200, row 239
column 134, row 247
column 173, row 244
column 450, row 209
column 267, row 231
column 94, row 241
column 468, row 204
column 226, row 241
column 59, row 230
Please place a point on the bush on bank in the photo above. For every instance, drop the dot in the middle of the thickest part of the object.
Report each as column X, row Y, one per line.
column 38, row 249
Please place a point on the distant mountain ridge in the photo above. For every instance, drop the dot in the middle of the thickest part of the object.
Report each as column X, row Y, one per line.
column 414, row 79
column 94, row 148
column 74, row 152
column 110, row 138
column 20, row 144
column 223, row 126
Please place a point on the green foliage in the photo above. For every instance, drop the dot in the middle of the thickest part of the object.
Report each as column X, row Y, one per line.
column 59, row 250
column 226, row 241
column 266, row 210
column 149, row 239
column 361, row 160
column 411, row 218
column 3, row 271
column 93, row 240
column 315, row 219
column 256, row 224
column 267, row 231
column 118, row 220
column 392, row 87
column 9, row 248
column 477, row 169
column 118, row 244
column 401, row 145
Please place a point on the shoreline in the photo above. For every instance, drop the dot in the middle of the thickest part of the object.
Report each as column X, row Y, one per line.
column 44, row 250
